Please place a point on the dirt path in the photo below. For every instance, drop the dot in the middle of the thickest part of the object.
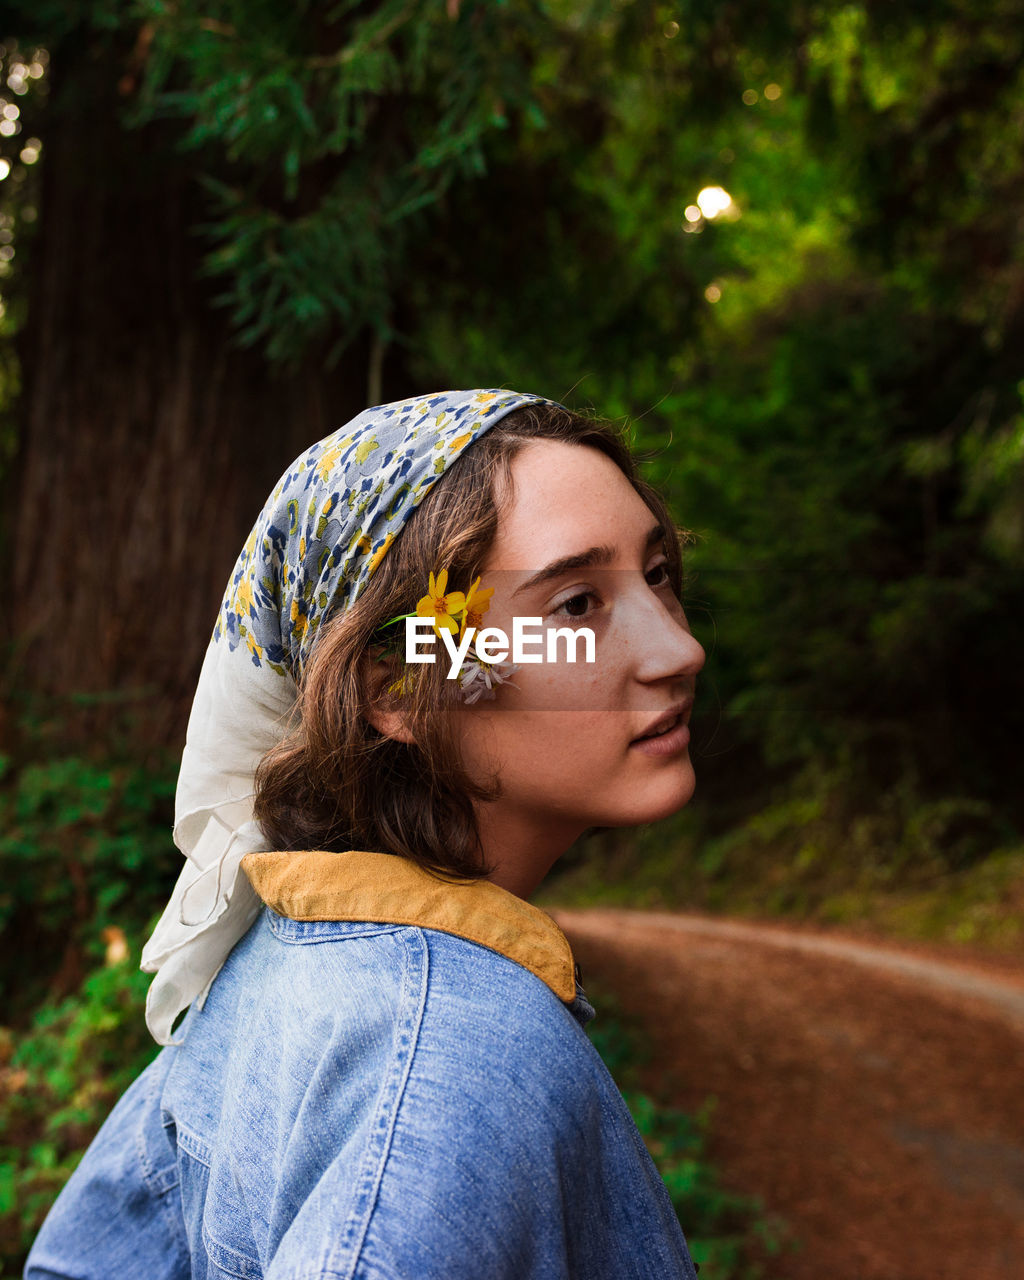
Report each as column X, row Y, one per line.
column 871, row 1095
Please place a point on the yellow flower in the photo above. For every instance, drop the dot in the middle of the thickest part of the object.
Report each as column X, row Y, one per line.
column 444, row 608
column 459, row 441
column 404, row 684
column 477, row 603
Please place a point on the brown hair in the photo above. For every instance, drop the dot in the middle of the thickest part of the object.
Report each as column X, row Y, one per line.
column 336, row 782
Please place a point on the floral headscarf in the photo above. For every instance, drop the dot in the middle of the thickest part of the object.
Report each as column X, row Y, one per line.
column 330, row 519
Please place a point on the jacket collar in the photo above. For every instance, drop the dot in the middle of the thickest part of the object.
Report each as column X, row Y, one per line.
column 388, row 889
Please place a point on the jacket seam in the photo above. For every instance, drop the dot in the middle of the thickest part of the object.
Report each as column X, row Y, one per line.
column 194, row 1146
column 161, row 1183
column 408, row 1042
column 293, row 938
column 158, row 1180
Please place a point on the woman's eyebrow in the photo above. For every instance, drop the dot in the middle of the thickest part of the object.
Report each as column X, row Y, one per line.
column 592, row 558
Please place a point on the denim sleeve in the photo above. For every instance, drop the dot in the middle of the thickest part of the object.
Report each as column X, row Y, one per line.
column 531, row 1170
column 501, row 1148
column 120, row 1212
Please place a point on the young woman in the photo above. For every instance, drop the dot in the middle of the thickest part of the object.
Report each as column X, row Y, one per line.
column 383, row 1071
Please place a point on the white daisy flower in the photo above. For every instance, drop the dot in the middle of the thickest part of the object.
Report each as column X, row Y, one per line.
column 479, row 679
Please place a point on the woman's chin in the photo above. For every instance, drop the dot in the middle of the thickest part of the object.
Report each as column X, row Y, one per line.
column 657, row 802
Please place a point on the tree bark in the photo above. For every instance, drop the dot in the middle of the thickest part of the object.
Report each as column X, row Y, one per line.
column 148, row 442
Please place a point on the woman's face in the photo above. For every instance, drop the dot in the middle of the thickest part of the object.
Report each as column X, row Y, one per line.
column 568, row 742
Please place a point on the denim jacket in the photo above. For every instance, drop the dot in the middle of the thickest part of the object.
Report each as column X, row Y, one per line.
column 389, row 1078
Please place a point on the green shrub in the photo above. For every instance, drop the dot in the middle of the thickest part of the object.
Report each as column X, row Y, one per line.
column 86, row 861
column 84, row 846
column 58, row 1082
column 726, row 1232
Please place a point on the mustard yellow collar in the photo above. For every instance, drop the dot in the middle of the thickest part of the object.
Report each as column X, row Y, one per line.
column 385, row 888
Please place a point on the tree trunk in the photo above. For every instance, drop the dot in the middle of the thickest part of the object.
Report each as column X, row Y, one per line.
column 148, row 442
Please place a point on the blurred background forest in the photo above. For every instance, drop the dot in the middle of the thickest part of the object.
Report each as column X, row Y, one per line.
column 783, row 240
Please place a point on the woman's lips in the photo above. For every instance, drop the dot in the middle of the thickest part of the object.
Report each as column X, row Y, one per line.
column 667, row 744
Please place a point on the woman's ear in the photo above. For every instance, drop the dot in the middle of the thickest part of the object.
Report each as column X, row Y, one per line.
column 384, row 710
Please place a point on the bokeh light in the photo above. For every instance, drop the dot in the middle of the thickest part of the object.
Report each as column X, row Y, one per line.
column 713, row 201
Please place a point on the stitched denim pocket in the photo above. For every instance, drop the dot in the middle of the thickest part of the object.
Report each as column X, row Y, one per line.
column 226, row 1261
column 211, row 1257
column 218, row 1236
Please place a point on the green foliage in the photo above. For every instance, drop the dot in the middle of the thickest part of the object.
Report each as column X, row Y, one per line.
column 904, row 867
column 727, row 1233
column 322, row 134
column 84, row 847
column 58, row 1082
column 831, row 382
column 831, row 373
column 86, row 862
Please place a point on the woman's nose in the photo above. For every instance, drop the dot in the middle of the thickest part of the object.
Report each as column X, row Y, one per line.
column 665, row 645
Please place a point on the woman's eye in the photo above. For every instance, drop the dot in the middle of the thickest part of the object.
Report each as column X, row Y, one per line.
column 658, row 576
column 576, row 606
